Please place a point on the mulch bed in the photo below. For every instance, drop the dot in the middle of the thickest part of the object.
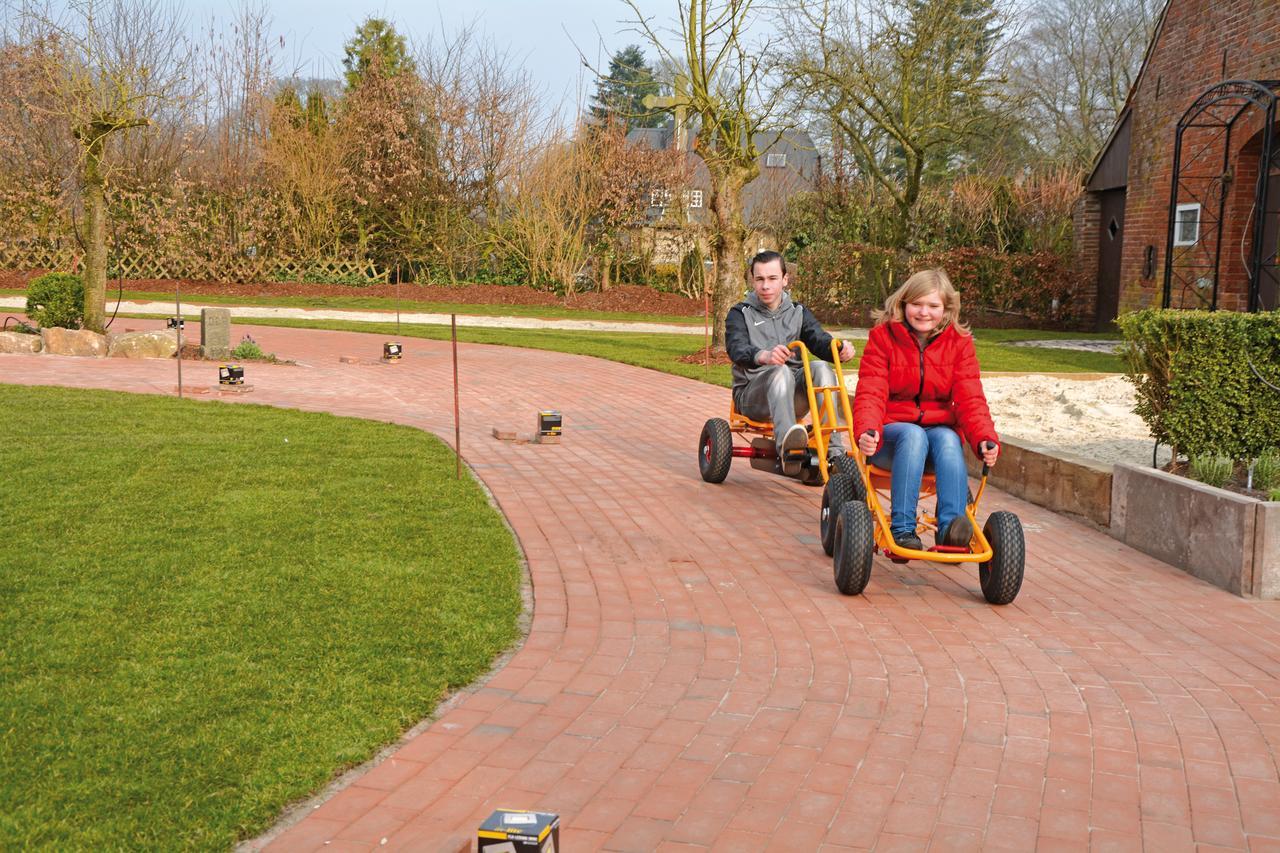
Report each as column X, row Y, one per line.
column 700, row 357
column 623, row 297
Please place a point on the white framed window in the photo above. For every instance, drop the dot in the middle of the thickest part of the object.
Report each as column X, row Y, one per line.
column 1186, row 224
column 695, row 198
column 775, row 159
column 659, row 198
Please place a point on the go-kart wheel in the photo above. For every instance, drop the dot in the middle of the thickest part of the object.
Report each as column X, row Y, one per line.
column 845, row 464
column 715, row 450
column 1001, row 576
column 839, row 490
column 855, row 544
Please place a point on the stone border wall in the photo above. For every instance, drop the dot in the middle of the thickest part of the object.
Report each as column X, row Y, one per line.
column 1229, row 540
column 1054, row 480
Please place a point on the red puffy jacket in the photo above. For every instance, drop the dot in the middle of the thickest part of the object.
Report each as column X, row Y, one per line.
column 939, row 383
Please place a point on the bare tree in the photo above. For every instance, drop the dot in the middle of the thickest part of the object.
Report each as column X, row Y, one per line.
column 108, row 67
column 722, row 86
column 1074, row 68
column 904, row 84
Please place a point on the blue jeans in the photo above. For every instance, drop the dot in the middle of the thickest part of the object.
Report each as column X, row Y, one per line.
column 907, row 451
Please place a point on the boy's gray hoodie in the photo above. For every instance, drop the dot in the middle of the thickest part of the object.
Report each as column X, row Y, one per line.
column 751, row 327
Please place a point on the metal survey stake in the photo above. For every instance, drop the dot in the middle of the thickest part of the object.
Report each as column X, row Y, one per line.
column 457, row 423
column 177, row 299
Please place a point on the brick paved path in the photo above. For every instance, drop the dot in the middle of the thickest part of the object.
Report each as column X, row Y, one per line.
column 693, row 680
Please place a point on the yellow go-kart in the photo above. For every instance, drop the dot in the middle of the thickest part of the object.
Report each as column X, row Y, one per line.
column 716, row 447
column 853, row 522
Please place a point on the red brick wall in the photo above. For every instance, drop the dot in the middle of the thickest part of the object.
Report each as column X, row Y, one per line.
column 1187, row 58
column 1084, row 218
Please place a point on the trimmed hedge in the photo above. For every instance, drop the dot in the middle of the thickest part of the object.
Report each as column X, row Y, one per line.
column 845, row 282
column 56, row 299
column 1207, row 382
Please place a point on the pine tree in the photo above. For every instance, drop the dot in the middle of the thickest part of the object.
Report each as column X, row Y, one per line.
column 375, row 40
column 620, row 96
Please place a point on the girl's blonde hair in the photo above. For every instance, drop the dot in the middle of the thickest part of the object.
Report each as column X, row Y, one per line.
column 922, row 284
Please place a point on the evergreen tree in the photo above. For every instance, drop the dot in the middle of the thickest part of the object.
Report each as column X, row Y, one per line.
column 620, row 96
column 376, row 40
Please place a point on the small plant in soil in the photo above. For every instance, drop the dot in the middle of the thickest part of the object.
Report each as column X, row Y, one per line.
column 1266, row 470
column 248, row 350
column 1211, row 470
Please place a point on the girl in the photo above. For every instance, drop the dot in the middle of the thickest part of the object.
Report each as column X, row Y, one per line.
column 919, row 397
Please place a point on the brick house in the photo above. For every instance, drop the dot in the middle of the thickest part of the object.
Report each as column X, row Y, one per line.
column 789, row 163
column 1203, row 109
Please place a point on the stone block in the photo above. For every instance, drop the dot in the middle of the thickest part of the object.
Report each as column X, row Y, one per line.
column 19, row 342
column 162, row 343
column 1205, row 531
column 1266, row 551
column 215, row 332
column 1058, row 481
column 80, row 342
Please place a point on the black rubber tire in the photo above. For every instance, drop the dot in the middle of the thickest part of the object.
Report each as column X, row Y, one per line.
column 855, row 545
column 846, row 464
column 1001, row 576
column 715, row 450
column 839, row 491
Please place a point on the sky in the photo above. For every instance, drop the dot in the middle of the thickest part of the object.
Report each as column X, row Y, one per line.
column 540, row 34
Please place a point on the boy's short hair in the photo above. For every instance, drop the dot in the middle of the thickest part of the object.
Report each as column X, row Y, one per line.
column 764, row 258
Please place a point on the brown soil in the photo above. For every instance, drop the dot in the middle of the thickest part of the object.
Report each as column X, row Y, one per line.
column 700, row 357
column 1236, row 484
column 623, row 297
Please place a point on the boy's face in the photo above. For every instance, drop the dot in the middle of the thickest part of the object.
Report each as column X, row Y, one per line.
column 769, row 281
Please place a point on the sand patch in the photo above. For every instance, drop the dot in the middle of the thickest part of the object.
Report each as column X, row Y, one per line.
column 1088, row 417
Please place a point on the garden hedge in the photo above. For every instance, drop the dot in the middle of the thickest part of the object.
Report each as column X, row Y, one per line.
column 1208, row 382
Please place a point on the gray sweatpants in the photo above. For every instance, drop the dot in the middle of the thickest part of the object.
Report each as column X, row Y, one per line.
column 778, row 394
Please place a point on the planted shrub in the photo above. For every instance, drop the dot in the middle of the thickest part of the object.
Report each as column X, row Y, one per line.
column 56, row 299
column 249, row 350
column 1211, row 470
column 1266, row 470
column 1207, row 382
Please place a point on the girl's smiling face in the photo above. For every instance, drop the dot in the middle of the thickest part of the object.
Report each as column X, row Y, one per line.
column 925, row 313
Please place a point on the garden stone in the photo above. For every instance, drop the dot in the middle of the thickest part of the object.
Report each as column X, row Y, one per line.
column 73, row 342
column 160, row 343
column 215, row 332
column 19, row 342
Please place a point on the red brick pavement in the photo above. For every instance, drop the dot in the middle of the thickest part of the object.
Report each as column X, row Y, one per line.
column 691, row 678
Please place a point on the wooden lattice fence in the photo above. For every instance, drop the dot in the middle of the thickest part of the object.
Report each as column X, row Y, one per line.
column 239, row 268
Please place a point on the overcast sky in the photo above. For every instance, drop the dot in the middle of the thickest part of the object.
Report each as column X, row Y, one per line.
column 540, row 33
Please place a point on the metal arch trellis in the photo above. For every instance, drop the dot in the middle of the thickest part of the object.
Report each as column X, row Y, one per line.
column 1219, row 108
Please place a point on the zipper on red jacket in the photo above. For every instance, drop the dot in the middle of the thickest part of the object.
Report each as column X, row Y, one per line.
column 920, row 392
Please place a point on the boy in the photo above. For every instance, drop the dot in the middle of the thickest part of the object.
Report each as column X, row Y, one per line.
column 768, row 377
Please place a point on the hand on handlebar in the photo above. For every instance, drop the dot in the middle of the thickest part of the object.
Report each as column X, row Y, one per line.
column 868, row 442
column 990, row 451
column 778, row 355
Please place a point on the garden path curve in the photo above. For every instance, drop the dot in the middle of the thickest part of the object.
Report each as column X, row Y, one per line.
column 692, row 680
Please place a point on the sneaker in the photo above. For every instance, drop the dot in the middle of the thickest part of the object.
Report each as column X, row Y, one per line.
column 959, row 532
column 908, row 539
column 797, row 438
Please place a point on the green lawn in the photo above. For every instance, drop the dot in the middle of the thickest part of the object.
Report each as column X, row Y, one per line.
column 662, row 351
column 209, row 609
column 374, row 303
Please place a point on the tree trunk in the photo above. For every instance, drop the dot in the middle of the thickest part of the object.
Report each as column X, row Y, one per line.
column 95, row 255
column 606, row 266
column 726, row 244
